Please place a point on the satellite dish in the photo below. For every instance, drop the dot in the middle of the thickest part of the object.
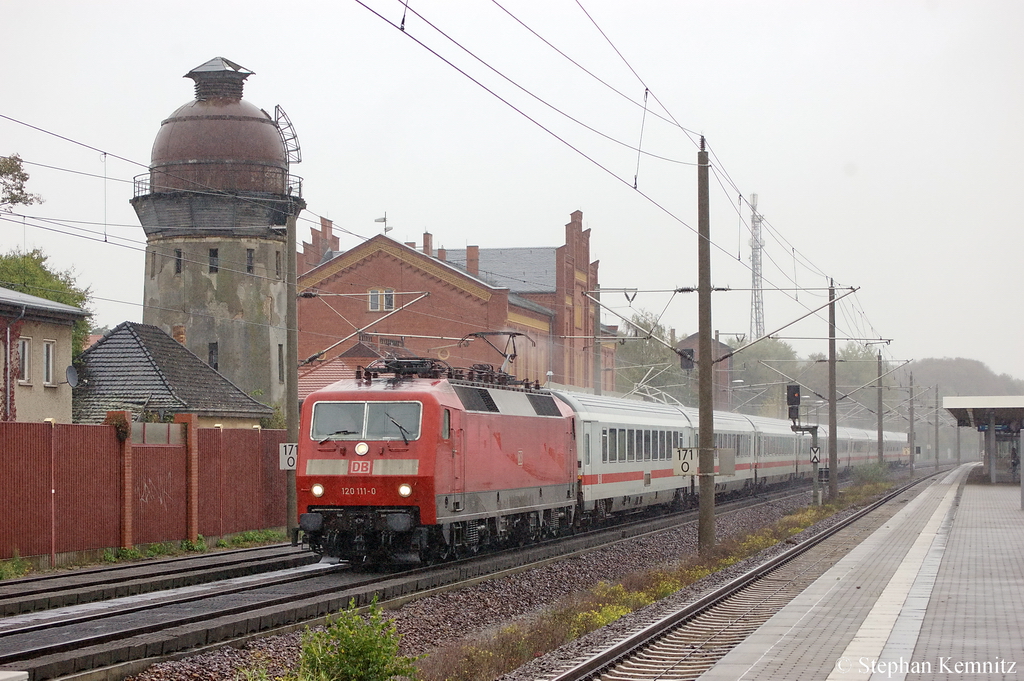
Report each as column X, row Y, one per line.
column 72, row 375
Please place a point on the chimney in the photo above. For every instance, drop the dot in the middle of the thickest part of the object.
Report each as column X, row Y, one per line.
column 428, row 244
column 442, row 254
column 178, row 333
column 411, row 244
column 473, row 260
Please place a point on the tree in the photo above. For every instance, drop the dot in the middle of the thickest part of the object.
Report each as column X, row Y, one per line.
column 29, row 273
column 647, row 364
column 12, row 183
column 763, row 388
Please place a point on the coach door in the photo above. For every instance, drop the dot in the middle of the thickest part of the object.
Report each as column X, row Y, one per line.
column 585, row 454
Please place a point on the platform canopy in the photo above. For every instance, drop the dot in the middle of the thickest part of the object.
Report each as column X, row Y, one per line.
column 974, row 412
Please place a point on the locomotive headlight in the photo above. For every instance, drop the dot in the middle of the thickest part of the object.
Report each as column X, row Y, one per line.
column 362, row 448
column 405, row 490
column 317, row 489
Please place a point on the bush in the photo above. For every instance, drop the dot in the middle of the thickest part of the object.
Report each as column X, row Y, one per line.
column 871, row 475
column 354, row 649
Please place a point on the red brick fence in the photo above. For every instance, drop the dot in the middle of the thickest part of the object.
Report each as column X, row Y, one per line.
column 72, row 491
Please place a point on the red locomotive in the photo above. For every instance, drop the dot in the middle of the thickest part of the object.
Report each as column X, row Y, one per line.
column 419, row 465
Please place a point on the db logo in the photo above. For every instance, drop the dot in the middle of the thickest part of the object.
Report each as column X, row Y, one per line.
column 360, row 467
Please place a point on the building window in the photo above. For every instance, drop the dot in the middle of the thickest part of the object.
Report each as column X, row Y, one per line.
column 212, row 348
column 49, row 360
column 152, row 264
column 24, row 359
column 250, row 260
column 177, row 261
column 280, row 363
column 381, row 299
column 214, row 261
column 277, row 263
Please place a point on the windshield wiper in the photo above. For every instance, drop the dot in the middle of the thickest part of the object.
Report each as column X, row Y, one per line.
column 405, row 433
column 338, row 432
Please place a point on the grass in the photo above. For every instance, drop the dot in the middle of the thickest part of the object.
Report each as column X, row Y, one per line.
column 17, row 567
column 579, row 614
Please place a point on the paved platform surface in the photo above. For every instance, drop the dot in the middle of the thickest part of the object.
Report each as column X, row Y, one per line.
column 937, row 592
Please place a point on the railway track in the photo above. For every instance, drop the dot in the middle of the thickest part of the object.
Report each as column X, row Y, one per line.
column 136, row 631
column 684, row 644
column 88, row 585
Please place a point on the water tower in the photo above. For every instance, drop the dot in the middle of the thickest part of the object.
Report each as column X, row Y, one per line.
column 214, row 206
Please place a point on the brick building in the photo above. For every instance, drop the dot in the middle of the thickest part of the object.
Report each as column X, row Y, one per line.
column 384, row 297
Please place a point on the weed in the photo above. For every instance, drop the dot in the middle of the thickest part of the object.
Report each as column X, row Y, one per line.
column 160, row 549
column 127, row 554
column 197, row 546
column 14, row 567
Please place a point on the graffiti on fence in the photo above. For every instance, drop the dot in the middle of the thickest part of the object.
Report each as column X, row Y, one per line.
column 158, row 491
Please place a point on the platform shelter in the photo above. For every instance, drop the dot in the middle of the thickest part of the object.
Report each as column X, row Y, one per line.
column 999, row 419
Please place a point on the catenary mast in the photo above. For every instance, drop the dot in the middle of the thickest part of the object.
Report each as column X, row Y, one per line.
column 756, row 246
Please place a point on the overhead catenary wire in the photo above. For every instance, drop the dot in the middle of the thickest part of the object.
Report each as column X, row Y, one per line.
column 617, row 51
column 198, row 189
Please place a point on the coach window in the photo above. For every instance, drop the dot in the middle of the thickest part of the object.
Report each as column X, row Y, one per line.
column 630, row 449
column 622, row 444
column 604, row 445
column 586, row 449
column 446, row 425
column 613, row 445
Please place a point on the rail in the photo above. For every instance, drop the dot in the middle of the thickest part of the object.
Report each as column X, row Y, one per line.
column 638, row 640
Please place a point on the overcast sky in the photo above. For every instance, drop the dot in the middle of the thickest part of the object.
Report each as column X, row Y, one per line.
column 883, row 138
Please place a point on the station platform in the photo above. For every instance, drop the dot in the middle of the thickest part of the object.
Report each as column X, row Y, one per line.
column 937, row 592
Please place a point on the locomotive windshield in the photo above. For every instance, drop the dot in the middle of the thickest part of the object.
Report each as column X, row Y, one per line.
column 366, row 421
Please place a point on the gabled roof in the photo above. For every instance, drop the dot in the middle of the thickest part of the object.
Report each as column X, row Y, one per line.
column 322, row 374
column 138, row 367
column 380, row 244
column 36, row 308
column 521, row 270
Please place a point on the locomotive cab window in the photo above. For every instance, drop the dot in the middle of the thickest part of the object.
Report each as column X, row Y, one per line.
column 366, row 421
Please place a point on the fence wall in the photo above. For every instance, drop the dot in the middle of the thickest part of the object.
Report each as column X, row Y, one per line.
column 240, row 487
column 160, row 499
column 235, row 490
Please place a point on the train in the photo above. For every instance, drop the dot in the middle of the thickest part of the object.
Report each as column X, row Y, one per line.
column 412, row 461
